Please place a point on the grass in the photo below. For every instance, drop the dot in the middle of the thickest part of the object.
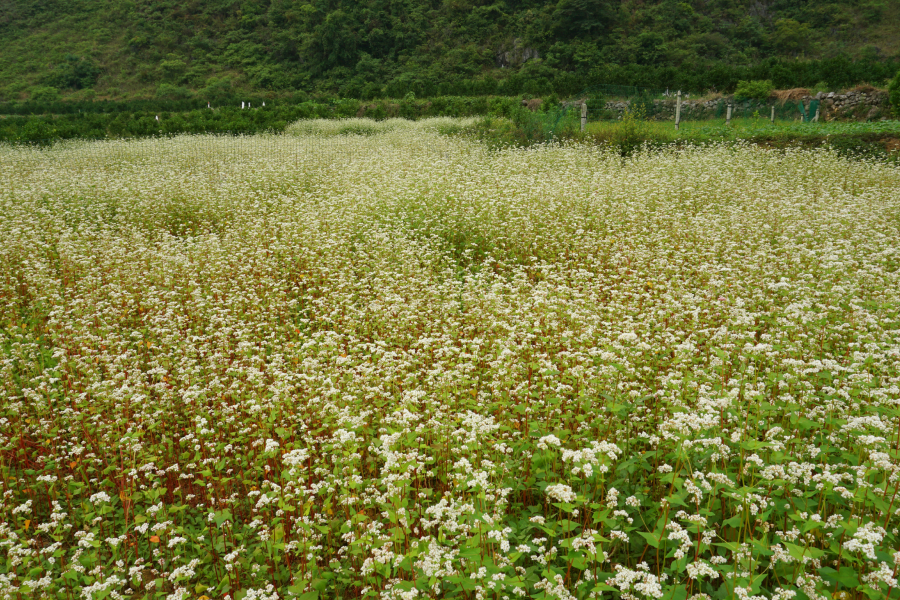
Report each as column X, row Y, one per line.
column 740, row 129
column 879, row 140
column 403, row 365
column 743, row 129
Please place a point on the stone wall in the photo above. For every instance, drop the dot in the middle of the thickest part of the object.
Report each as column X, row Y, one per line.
column 855, row 105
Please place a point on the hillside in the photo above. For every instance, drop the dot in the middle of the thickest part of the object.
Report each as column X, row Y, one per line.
column 121, row 49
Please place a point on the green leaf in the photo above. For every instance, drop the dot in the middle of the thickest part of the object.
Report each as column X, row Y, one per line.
column 651, row 539
column 734, row 521
column 799, row 551
column 846, row 576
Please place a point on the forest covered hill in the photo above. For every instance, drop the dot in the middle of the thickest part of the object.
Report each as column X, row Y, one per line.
column 214, row 49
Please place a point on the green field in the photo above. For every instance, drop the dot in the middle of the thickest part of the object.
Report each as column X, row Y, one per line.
column 746, row 128
column 395, row 363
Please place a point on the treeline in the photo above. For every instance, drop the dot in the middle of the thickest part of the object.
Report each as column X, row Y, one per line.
column 230, row 119
column 835, row 73
column 535, row 80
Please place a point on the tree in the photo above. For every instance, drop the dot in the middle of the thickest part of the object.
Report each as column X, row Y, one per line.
column 651, row 48
column 791, row 36
column 582, row 18
column 74, row 73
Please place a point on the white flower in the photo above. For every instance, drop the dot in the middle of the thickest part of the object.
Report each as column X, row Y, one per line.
column 548, row 440
column 561, row 492
column 100, row 497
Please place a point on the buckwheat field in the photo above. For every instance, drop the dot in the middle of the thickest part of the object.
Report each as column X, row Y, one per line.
column 402, row 365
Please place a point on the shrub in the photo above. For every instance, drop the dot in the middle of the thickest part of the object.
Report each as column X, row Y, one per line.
column 894, row 94
column 45, row 93
column 820, row 87
column 74, row 73
column 172, row 92
column 756, row 90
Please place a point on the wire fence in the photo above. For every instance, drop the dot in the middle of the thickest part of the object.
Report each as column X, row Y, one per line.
column 612, row 103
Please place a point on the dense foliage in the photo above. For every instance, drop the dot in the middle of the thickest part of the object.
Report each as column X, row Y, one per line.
column 756, row 90
column 894, row 93
column 174, row 49
column 136, row 119
column 400, row 365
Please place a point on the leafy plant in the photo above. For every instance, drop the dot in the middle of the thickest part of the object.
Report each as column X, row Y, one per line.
column 44, row 93
column 632, row 132
column 894, row 94
column 74, row 72
column 755, row 90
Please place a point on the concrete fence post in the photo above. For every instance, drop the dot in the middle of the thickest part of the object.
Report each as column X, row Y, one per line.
column 773, row 113
column 583, row 116
column 677, row 110
column 728, row 114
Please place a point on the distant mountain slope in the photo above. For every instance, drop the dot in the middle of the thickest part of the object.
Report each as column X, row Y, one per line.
column 369, row 48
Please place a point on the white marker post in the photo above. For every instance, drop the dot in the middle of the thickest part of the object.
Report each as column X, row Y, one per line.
column 773, row 114
column 677, row 110
column 583, row 116
column 728, row 114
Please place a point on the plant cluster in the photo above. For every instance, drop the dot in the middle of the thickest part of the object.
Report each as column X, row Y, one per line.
column 404, row 366
column 894, row 94
column 755, row 90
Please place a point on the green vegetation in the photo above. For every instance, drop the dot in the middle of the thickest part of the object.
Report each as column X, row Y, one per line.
column 755, row 90
column 879, row 140
column 894, row 91
column 95, row 120
column 175, row 50
column 366, row 360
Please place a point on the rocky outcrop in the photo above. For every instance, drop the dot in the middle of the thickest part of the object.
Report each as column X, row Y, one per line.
column 515, row 55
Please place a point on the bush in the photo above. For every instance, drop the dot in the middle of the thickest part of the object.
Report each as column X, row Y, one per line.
column 168, row 91
column 74, row 73
column 755, row 90
column 44, row 93
column 894, row 94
